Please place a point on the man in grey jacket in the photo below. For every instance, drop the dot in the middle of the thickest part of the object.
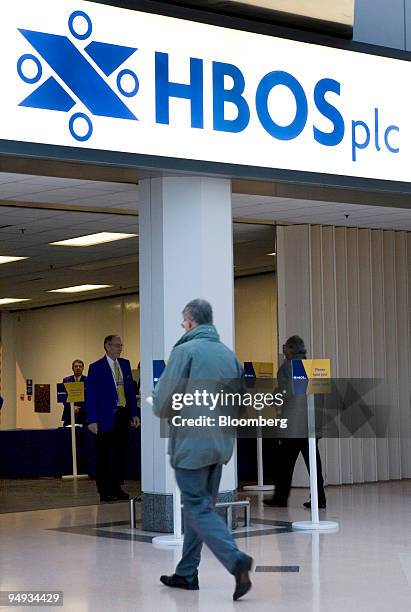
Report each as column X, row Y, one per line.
column 201, row 362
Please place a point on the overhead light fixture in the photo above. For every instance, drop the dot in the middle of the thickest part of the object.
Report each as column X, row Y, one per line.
column 93, row 239
column 6, row 259
column 272, row 254
column 5, row 301
column 79, row 288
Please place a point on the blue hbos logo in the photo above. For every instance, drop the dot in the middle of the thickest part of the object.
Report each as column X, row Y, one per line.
column 361, row 132
column 73, row 67
column 83, row 82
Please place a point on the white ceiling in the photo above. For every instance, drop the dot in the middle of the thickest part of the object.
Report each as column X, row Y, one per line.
column 116, row 263
column 285, row 210
column 53, row 267
column 52, row 190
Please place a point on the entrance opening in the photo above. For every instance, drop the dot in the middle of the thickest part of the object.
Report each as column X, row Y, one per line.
column 44, row 334
column 341, row 271
column 72, row 297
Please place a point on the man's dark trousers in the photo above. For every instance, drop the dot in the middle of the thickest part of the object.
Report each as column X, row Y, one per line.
column 287, row 456
column 112, row 454
column 199, row 490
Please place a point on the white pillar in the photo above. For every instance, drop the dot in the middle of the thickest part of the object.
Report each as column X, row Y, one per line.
column 186, row 252
column 8, row 371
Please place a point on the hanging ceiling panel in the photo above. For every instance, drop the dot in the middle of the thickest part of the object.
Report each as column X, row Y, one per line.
column 335, row 18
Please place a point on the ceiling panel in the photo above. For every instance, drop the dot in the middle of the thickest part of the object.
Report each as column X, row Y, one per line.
column 117, row 263
column 308, row 211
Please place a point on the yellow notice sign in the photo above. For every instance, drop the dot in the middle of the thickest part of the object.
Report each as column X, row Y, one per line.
column 263, row 369
column 319, row 374
column 317, row 368
column 311, row 376
column 75, row 392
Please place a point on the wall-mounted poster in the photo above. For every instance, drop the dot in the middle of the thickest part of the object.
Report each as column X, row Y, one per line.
column 41, row 398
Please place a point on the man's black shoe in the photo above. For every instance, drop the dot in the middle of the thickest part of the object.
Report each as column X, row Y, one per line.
column 108, row 498
column 181, row 582
column 321, row 505
column 242, row 578
column 122, row 495
column 274, row 503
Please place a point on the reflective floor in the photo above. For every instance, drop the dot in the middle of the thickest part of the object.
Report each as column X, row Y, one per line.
column 20, row 495
column 91, row 554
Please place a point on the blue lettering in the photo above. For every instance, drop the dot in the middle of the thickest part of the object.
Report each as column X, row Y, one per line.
column 166, row 90
column 267, row 83
column 377, row 129
column 359, row 145
column 329, row 139
column 391, row 128
column 233, row 95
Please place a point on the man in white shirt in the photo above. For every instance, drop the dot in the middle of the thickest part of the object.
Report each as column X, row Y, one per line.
column 111, row 409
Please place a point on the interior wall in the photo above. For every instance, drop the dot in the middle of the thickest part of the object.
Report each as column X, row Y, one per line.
column 347, row 292
column 47, row 340
column 42, row 343
column 256, row 318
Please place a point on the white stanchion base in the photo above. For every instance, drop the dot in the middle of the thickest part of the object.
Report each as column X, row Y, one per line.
column 166, row 541
column 320, row 526
column 78, row 477
column 258, row 488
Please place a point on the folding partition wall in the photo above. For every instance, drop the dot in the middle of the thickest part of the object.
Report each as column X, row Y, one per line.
column 347, row 292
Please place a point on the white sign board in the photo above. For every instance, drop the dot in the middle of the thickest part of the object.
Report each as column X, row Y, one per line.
column 88, row 75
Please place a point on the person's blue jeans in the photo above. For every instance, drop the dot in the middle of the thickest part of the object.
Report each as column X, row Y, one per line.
column 202, row 524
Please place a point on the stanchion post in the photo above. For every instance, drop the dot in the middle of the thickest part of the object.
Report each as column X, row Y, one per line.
column 133, row 513
column 177, row 513
column 74, row 475
column 260, row 465
column 67, row 389
column 312, row 458
column 73, row 440
column 315, row 524
column 175, row 538
column 260, row 486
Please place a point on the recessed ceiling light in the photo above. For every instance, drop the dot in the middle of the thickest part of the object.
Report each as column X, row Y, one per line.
column 79, row 288
column 93, row 239
column 5, row 301
column 6, row 259
column 272, row 254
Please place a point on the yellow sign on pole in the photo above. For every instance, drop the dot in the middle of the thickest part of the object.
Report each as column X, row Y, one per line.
column 263, row 369
column 311, row 376
column 317, row 368
column 75, row 392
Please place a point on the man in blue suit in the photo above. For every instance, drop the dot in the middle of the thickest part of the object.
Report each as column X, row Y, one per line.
column 111, row 408
column 79, row 408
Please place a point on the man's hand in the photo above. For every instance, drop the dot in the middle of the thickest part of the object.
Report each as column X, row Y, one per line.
column 76, row 409
column 93, row 427
column 135, row 421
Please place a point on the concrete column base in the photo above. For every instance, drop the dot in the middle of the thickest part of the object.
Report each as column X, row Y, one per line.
column 157, row 510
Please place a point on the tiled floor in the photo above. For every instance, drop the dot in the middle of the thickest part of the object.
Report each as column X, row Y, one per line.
column 20, row 495
column 365, row 566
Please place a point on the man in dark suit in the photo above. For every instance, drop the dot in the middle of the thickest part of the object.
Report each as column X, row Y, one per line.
column 79, row 407
column 289, row 448
column 111, row 408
